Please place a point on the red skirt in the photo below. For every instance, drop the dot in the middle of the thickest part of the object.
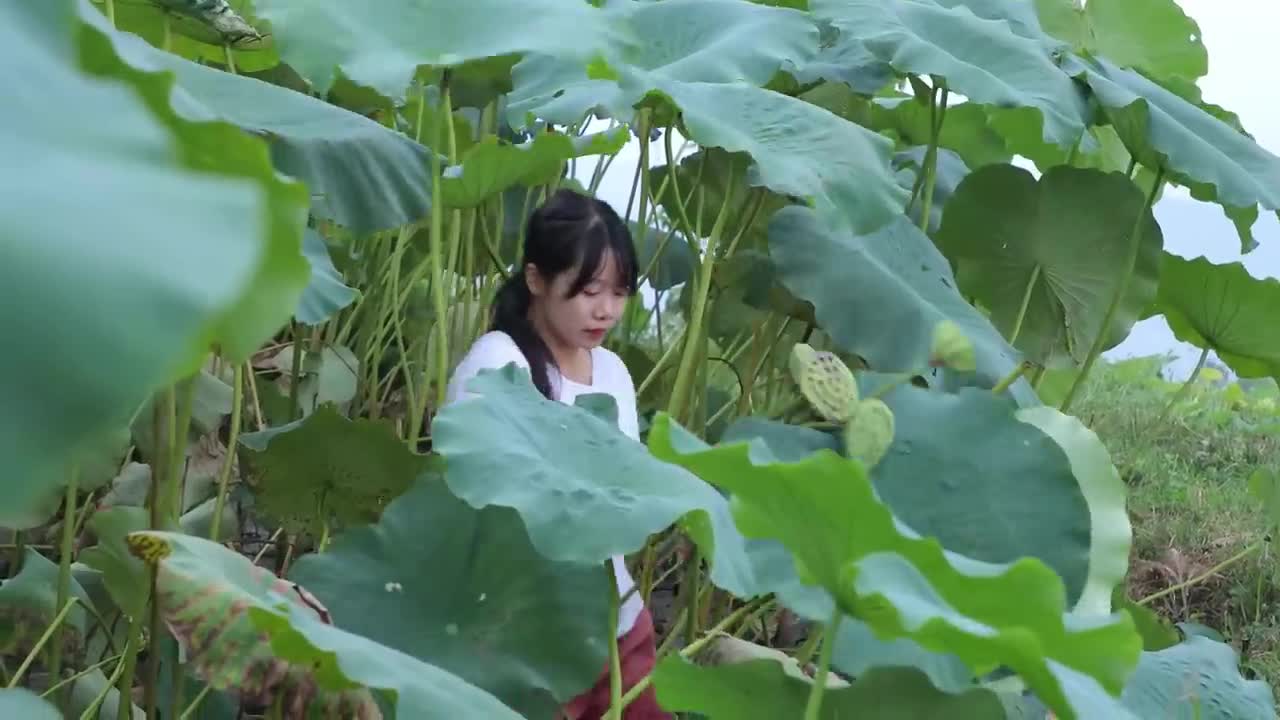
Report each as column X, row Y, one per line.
column 637, row 651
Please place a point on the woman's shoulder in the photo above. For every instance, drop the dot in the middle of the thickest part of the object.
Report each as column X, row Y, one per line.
column 615, row 370
column 495, row 345
column 495, row 349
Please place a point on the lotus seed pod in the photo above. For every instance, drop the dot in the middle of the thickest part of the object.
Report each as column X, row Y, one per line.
column 825, row 381
column 869, row 432
column 951, row 348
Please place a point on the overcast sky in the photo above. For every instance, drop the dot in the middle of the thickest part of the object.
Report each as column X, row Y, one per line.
column 1240, row 36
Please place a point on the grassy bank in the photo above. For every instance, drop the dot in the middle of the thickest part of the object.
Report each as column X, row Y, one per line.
column 1188, row 473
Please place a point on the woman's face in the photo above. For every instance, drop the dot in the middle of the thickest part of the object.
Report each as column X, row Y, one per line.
column 583, row 320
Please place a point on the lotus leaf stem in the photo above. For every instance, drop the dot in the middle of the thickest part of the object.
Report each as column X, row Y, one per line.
column 224, row 473
column 124, row 672
column 1186, row 386
column 65, row 551
column 195, row 704
column 72, row 678
column 813, row 708
column 615, row 660
column 689, row 650
column 1026, row 302
column 1135, row 245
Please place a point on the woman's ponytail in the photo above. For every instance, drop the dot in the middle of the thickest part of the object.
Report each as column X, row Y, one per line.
column 511, row 316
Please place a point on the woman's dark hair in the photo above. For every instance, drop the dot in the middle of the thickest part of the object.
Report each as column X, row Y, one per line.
column 570, row 229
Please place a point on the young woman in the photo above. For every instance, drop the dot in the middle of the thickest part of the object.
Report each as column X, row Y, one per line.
column 550, row 318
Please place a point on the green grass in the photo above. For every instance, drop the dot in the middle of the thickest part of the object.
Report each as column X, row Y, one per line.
column 1189, row 500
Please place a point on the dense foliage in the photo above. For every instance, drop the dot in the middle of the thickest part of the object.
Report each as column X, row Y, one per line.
column 884, row 242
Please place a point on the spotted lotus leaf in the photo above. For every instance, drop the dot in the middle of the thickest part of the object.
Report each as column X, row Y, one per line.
column 952, row 348
column 825, row 381
column 29, row 603
column 868, row 433
column 204, row 599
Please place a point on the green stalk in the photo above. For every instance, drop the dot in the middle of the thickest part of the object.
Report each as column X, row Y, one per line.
column 166, row 474
column 295, row 373
column 111, row 12
column 444, row 131
column 44, row 638
column 615, row 660
column 224, row 474
column 689, row 592
column 1130, row 263
column 89, row 670
column 65, row 552
column 195, row 704
column 813, row 709
column 1008, row 380
column 689, row 650
column 1186, row 386
column 937, row 113
column 125, row 674
column 1026, row 302
column 688, row 361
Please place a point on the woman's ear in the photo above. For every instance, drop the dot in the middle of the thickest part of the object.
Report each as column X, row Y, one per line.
column 533, row 278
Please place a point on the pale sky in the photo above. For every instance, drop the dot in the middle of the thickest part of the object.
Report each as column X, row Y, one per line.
column 1243, row 50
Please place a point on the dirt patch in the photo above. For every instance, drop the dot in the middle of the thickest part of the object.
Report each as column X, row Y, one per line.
column 1207, row 601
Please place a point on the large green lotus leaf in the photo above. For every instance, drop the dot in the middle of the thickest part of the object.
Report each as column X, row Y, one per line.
column 328, row 469
column 420, row 690
column 1048, row 257
column 188, row 239
column 1048, row 479
column 1225, row 309
column 973, row 48
column 800, row 149
column 880, row 295
column 240, row 627
column 964, row 470
column 326, row 294
column 359, row 173
column 489, row 168
column 22, row 703
column 762, row 690
column 711, row 41
column 474, row 598
column 1197, row 679
column 1110, row 535
column 28, row 604
column 383, row 45
column 844, row 539
column 194, row 38
column 1155, row 36
column 1216, row 161
column 845, row 59
column 507, row 447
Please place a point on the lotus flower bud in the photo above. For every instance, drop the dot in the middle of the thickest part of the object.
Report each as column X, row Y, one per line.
column 951, row 348
column 825, row 381
column 868, row 432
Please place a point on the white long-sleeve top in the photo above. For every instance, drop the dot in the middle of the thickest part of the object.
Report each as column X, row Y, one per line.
column 609, row 374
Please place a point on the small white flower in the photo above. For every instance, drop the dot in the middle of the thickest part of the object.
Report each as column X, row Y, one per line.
column 394, row 587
